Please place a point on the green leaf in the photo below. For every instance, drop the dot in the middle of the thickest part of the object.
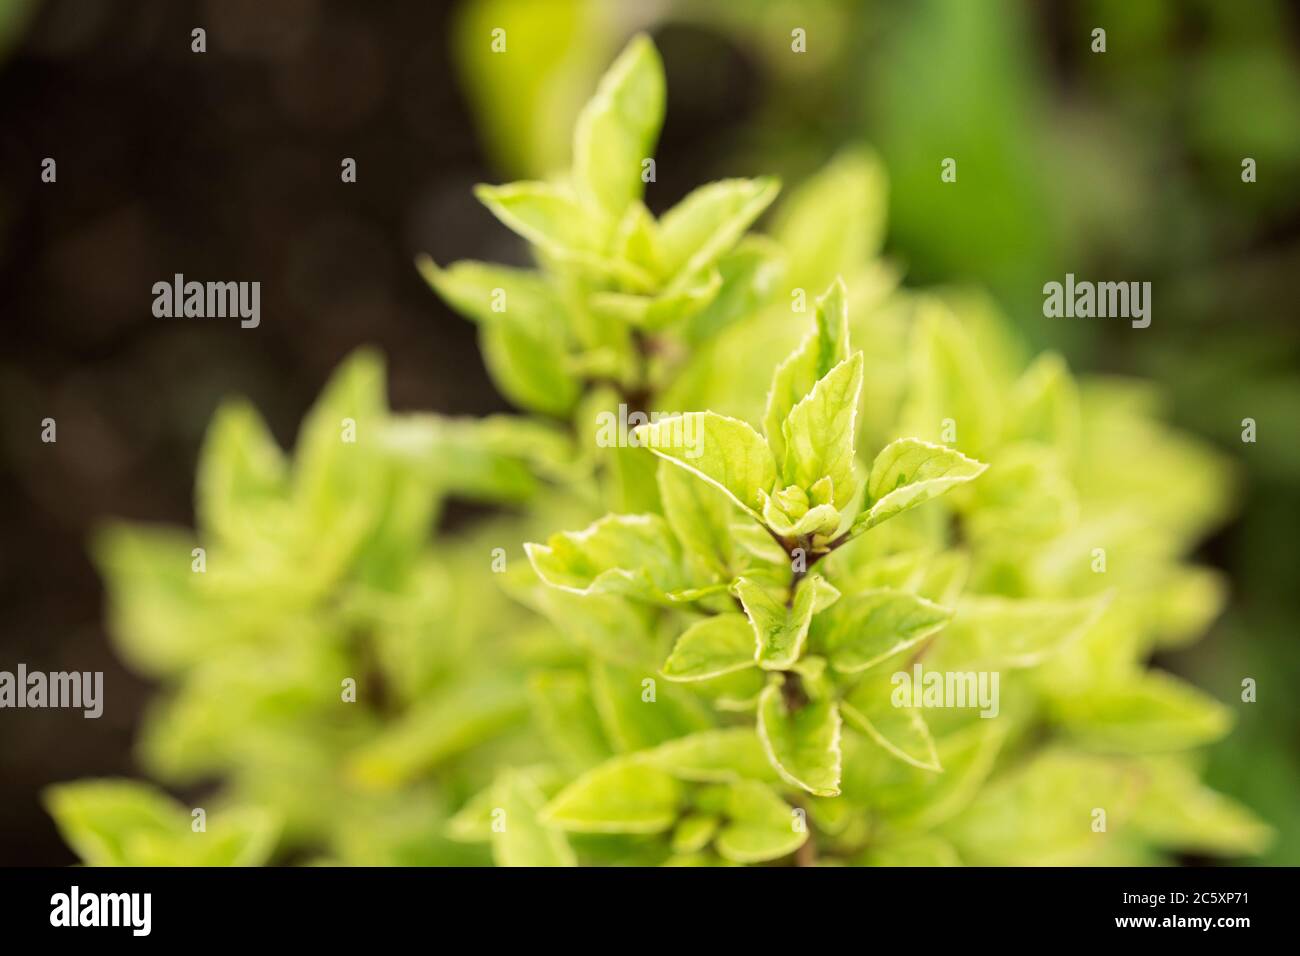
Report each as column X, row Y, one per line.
column 529, row 368
column 835, row 221
column 619, row 127
column 819, row 431
column 634, row 719
column 548, row 216
column 725, row 452
column 100, row 819
column 948, row 382
column 909, row 472
column 486, row 459
column 524, row 331
column 483, row 292
column 901, row 731
column 714, row 756
column 825, row 346
column 126, row 823
column 998, row 632
column 523, row 840
column 472, row 823
column 1150, row 713
column 861, row 630
column 658, row 312
column 434, row 730
column 241, row 471
column 1042, row 812
column 562, row 706
column 698, row 230
column 622, row 795
column 750, row 274
column 779, row 631
column 634, row 555
column 803, row 746
column 711, row 647
column 329, row 473
column 694, row 832
column 700, row 515
column 760, row 825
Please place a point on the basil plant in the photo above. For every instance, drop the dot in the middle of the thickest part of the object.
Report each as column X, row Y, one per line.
column 850, row 578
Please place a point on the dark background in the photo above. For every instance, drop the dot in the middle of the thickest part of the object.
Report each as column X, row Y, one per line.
column 225, row 166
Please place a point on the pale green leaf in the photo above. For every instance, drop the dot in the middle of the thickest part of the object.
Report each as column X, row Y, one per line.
column 700, row 515
column 1151, row 713
column 819, row 432
column 694, row 832
column 909, row 472
column 1003, row 632
column 825, row 346
column 241, row 470
column 709, row 648
column 521, row 839
column 803, row 746
column 900, row 730
column 697, row 231
column 835, row 221
column 725, row 452
column 779, row 632
column 714, row 756
column 861, row 630
column 760, row 825
column 635, row 555
column 618, row 128
column 622, row 795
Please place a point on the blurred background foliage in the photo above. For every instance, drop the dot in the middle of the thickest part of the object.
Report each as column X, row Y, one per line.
column 1123, row 165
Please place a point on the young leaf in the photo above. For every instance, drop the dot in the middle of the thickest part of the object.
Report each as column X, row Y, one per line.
column 714, row 646
column 618, row 129
column 901, row 731
column 548, row 216
column 803, row 746
column 634, row 555
column 725, row 452
column 523, row 840
column 708, row 222
column 760, row 825
column 714, row 756
column 819, row 431
column 861, row 630
column 908, row 472
column 826, row 346
column 778, row 632
column 241, row 470
column 700, row 516
column 622, row 795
